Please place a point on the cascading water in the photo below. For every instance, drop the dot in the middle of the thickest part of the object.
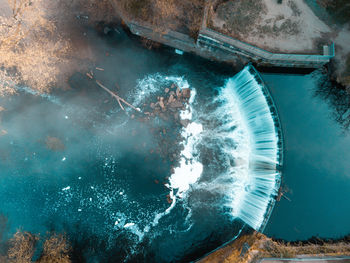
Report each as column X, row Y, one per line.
column 261, row 127
column 231, row 147
column 110, row 183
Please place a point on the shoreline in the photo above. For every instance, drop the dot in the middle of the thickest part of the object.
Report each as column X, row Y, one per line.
column 213, row 45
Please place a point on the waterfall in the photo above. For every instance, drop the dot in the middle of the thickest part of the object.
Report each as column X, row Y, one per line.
column 261, row 125
column 232, row 147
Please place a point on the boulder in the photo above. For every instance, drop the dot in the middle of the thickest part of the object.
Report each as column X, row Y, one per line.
column 184, row 123
column 176, row 104
column 186, row 93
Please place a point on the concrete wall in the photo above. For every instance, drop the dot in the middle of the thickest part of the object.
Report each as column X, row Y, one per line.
column 216, row 46
column 185, row 43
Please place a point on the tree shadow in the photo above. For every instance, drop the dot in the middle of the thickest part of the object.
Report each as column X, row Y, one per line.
column 338, row 97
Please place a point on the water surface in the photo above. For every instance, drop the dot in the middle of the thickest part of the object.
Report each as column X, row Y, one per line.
column 316, row 163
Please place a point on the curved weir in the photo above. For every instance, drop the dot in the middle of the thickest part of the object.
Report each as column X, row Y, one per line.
column 262, row 124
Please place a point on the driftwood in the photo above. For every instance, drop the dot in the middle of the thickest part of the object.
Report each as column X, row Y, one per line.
column 119, row 99
column 89, row 75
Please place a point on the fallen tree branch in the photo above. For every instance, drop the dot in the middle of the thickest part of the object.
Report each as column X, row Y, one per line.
column 119, row 99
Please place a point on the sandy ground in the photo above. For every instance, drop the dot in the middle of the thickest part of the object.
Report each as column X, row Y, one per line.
column 5, row 9
column 289, row 27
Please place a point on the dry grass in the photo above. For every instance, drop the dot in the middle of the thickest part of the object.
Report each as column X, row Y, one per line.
column 39, row 43
column 245, row 18
column 260, row 246
column 181, row 15
column 30, row 47
column 23, row 245
column 56, row 250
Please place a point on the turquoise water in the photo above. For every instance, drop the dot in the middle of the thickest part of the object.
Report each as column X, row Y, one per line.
column 107, row 187
column 108, row 192
column 316, row 163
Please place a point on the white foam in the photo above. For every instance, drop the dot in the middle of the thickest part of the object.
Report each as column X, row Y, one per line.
column 254, row 176
column 190, row 168
column 66, row 188
column 152, row 84
column 129, row 225
column 178, row 51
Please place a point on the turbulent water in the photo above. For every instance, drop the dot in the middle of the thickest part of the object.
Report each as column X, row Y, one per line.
column 107, row 184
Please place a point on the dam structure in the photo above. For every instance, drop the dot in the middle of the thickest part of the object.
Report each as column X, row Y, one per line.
column 213, row 45
column 265, row 140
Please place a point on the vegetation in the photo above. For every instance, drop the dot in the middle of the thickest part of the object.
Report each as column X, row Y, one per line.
column 339, row 10
column 30, row 48
column 38, row 42
column 338, row 97
column 181, row 15
column 23, row 245
column 254, row 246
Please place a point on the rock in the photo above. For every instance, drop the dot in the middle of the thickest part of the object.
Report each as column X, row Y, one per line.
column 166, row 90
column 54, row 144
column 171, row 99
column 169, row 199
column 161, row 103
column 178, row 92
column 162, row 116
column 106, row 30
column 184, row 123
column 186, row 93
column 176, row 104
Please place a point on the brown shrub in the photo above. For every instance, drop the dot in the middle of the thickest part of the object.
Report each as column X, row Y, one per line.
column 56, row 250
column 30, row 45
column 22, row 247
column 181, row 15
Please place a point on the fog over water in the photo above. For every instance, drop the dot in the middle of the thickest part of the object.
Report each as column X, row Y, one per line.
column 74, row 162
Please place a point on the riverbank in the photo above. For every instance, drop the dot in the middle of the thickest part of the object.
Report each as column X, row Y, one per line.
column 255, row 34
column 84, row 19
column 49, row 63
column 255, row 246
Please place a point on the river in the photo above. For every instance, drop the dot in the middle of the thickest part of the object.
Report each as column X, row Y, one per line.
column 316, row 163
column 74, row 162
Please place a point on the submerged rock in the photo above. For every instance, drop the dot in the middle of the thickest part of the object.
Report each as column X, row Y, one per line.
column 186, row 93
column 54, row 144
